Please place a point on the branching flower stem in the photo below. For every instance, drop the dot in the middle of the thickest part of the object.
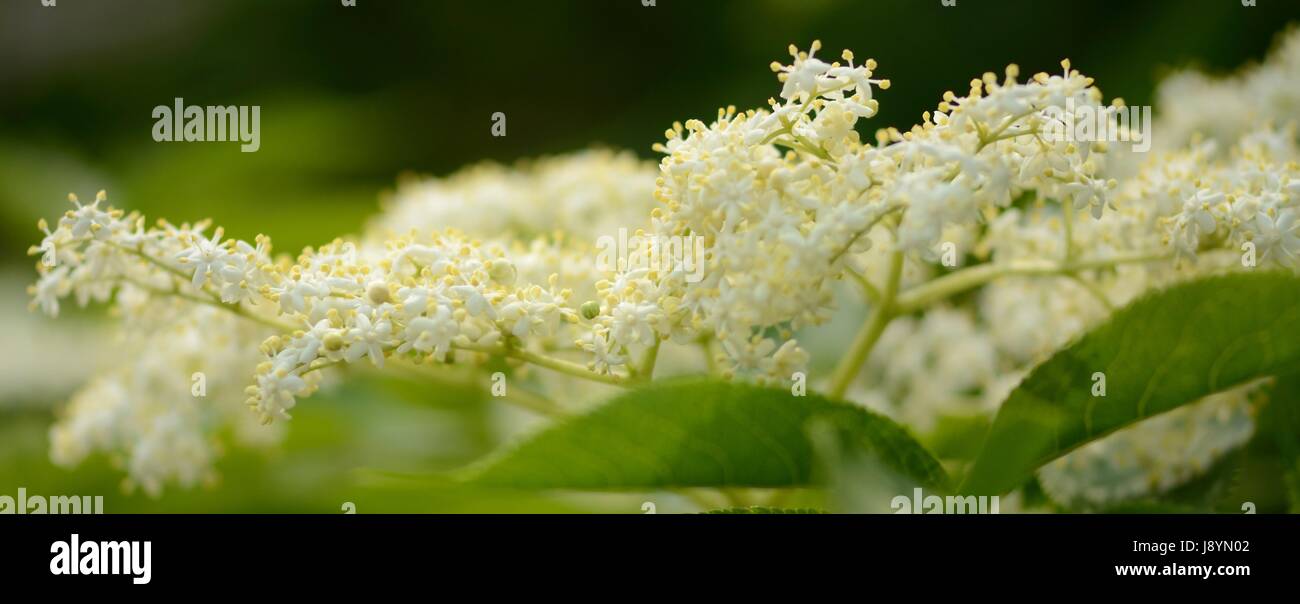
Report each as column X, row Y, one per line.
column 892, row 303
column 858, row 235
column 213, row 302
column 647, row 369
column 552, row 363
column 211, row 299
column 924, row 295
column 870, row 332
column 869, row 291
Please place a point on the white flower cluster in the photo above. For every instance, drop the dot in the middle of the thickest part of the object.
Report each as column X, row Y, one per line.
column 420, row 296
column 417, row 296
column 1191, row 104
column 1184, row 212
column 93, row 251
column 1249, row 201
column 549, row 214
column 583, row 195
column 782, row 226
column 191, row 302
column 789, row 203
column 158, row 415
column 145, row 413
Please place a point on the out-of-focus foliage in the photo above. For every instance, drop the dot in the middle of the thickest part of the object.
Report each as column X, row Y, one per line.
column 702, row 434
column 1162, row 352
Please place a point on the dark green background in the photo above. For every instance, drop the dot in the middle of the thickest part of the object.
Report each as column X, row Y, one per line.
column 351, row 97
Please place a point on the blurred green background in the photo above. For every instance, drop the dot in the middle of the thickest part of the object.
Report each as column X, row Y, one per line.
column 352, row 97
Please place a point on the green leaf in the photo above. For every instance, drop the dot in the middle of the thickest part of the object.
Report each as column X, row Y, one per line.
column 1269, row 479
column 758, row 509
column 699, row 433
column 1280, row 418
column 1167, row 349
column 958, row 436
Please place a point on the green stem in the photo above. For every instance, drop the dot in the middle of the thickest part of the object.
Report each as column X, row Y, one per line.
column 887, row 213
column 1002, row 136
column 928, row 293
column 1067, row 222
column 647, row 369
column 869, row 291
column 554, row 364
column 997, row 134
column 213, row 302
column 1092, row 288
column 870, row 332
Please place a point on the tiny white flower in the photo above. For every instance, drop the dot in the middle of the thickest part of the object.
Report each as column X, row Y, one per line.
column 1279, row 237
column 205, row 256
column 367, row 338
column 431, row 334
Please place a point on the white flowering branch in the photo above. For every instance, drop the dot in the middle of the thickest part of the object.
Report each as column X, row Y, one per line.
column 782, row 201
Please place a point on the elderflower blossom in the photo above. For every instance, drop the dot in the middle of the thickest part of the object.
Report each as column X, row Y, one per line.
column 788, row 201
column 583, row 195
column 1183, row 213
column 419, row 296
column 275, row 320
column 1246, row 201
column 1193, row 104
column 152, row 417
column 785, row 197
column 548, row 215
